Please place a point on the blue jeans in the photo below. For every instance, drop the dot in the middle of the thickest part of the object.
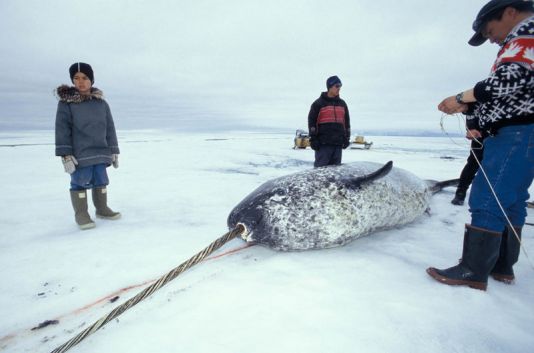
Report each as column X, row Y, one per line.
column 509, row 164
column 89, row 177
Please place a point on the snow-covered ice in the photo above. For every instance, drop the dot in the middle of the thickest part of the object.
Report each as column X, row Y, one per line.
column 175, row 191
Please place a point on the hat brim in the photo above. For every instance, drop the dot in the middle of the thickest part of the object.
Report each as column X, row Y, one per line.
column 477, row 39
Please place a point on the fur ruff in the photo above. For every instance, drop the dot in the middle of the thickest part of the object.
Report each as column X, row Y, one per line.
column 70, row 94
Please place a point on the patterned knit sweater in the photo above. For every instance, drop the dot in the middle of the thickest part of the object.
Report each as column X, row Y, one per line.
column 506, row 97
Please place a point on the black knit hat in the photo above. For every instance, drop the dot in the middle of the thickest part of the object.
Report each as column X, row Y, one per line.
column 83, row 68
column 484, row 14
column 331, row 81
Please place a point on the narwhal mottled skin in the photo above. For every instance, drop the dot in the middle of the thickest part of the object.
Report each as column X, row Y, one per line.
column 331, row 206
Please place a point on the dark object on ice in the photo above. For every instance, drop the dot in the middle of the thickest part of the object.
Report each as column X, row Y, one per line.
column 331, row 206
column 480, row 253
column 45, row 323
column 530, row 204
column 114, row 299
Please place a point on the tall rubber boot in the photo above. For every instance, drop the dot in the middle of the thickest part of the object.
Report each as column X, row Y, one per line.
column 100, row 200
column 79, row 203
column 459, row 197
column 508, row 255
column 480, row 253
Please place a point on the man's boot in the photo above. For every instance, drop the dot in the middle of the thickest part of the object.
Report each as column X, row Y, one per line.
column 79, row 203
column 459, row 197
column 481, row 250
column 509, row 253
column 100, row 200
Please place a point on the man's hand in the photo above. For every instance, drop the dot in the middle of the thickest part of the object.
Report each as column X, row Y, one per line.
column 69, row 163
column 451, row 106
column 473, row 134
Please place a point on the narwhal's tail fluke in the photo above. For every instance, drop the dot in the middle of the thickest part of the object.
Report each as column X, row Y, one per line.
column 437, row 186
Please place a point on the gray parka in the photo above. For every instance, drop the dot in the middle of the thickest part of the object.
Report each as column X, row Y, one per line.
column 84, row 127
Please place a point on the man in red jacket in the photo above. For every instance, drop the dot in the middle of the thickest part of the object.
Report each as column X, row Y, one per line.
column 329, row 125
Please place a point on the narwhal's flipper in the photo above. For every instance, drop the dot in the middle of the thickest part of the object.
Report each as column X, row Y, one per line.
column 437, row 186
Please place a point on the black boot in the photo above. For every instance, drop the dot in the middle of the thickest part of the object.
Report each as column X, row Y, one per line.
column 481, row 250
column 459, row 197
column 509, row 253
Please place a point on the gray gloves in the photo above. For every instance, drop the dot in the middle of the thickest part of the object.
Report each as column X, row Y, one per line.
column 69, row 163
column 115, row 160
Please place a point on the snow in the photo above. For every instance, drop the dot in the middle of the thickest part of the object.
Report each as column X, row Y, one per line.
column 175, row 191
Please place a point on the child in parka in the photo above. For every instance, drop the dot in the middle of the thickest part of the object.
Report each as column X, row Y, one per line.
column 87, row 143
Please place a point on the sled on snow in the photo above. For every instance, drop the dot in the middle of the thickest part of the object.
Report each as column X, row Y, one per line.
column 301, row 140
column 360, row 143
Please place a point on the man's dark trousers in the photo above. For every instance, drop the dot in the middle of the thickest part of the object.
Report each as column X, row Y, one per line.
column 327, row 155
column 471, row 167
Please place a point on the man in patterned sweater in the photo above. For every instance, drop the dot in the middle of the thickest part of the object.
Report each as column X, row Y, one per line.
column 503, row 105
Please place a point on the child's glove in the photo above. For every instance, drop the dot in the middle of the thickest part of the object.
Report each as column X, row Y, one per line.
column 115, row 160
column 69, row 163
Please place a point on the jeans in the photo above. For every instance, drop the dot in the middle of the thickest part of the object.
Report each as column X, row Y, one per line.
column 327, row 155
column 509, row 165
column 89, row 177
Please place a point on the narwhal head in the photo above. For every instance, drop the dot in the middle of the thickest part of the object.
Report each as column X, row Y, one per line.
column 252, row 212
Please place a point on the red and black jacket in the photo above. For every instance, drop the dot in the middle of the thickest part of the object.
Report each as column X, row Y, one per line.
column 329, row 121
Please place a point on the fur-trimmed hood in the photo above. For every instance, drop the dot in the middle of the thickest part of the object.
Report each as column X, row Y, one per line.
column 70, row 94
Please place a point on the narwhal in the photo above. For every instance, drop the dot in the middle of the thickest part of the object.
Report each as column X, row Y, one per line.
column 313, row 209
column 331, row 206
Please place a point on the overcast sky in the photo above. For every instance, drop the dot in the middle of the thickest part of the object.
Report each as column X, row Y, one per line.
column 208, row 64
